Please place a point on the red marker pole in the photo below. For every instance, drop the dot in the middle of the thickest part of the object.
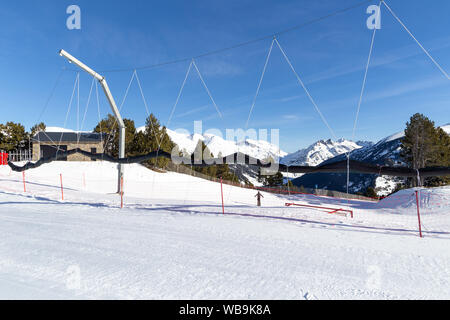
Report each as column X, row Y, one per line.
column 418, row 213
column 121, row 192
column 62, row 189
column 23, row 178
column 221, row 191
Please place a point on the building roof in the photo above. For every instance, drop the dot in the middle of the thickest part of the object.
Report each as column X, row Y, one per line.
column 56, row 137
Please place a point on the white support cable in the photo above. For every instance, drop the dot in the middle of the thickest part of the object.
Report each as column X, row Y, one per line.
column 178, row 99
column 361, row 94
column 172, row 113
column 142, row 93
column 126, row 92
column 206, row 88
column 99, row 119
column 77, row 78
column 259, row 83
column 255, row 97
column 179, row 94
column 78, row 111
column 85, row 110
column 87, row 104
column 98, row 113
column 55, row 146
column 254, row 100
column 417, row 41
column 120, row 109
column 158, row 141
column 306, row 90
column 148, row 116
column 363, row 86
column 78, row 105
column 45, row 107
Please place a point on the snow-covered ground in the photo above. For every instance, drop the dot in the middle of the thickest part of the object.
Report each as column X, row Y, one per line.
column 171, row 240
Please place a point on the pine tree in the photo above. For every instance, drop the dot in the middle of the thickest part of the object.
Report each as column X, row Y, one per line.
column 154, row 138
column 424, row 145
column 202, row 152
column 417, row 143
column 274, row 180
column 13, row 137
column 441, row 158
column 371, row 193
column 39, row 127
column 109, row 127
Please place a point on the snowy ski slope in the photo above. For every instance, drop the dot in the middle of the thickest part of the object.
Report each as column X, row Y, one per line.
column 171, row 240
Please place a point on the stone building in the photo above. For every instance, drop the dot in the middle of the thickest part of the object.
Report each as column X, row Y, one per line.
column 46, row 144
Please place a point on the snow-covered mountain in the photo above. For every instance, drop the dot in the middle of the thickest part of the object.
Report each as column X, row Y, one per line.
column 259, row 149
column 321, row 151
column 385, row 152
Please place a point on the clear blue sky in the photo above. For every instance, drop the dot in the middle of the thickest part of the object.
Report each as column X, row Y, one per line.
column 329, row 55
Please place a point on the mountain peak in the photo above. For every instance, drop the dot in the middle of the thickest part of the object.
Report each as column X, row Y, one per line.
column 259, row 149
column 319, row 152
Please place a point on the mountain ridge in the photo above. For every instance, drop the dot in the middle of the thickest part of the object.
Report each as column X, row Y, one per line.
column 385, row 152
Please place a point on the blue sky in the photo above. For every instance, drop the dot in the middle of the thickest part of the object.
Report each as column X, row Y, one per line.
column 329, row 56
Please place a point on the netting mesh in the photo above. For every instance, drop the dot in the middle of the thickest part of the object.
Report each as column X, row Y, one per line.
column 186, row 191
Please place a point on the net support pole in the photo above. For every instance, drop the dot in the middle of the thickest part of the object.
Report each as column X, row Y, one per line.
column 121, row 193
column 23, row 178
column 112, row 104
column 221, row 192
column 348, row 172
column 288, row 181
column 62, row 189
column 121, row 155
column 418, row 213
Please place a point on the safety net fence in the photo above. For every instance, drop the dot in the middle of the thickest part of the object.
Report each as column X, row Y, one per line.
column 181, row 189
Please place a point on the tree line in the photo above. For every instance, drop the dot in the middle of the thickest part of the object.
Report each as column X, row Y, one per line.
column 13, row 136
column 423, row 145
column 154, row 137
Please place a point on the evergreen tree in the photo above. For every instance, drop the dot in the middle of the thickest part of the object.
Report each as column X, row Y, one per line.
column 417, row 143
column 441, row 158
column 371, row 193
column 153, row 138
column 39, row 127
column 13, row 137
column 110, row 127
column 424, row 145
column 202, row 152
column 274, row 180
column 223, row 171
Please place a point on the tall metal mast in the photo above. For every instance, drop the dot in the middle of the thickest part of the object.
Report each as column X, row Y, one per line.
column 113, row 105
